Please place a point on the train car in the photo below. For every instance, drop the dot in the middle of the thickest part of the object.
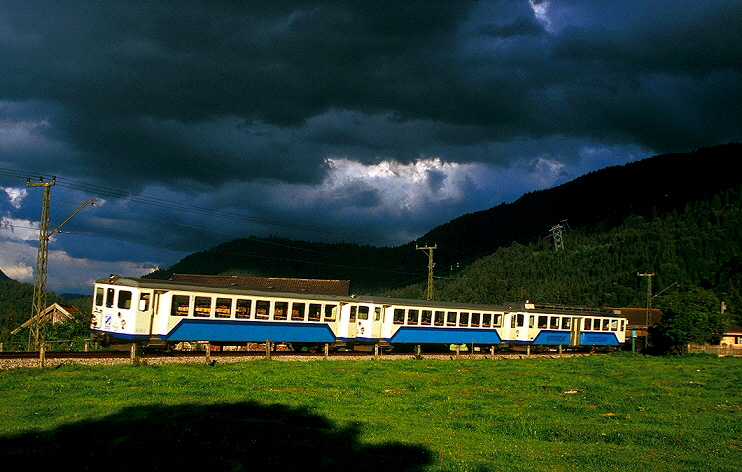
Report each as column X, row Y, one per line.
column 165, row 312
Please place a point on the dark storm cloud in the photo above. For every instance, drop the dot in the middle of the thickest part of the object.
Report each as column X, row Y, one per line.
column 263, row 108
column 137, row 80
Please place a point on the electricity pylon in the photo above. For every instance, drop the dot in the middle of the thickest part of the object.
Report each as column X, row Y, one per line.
column 42, row 257
column 42, row 260
column 431, row 264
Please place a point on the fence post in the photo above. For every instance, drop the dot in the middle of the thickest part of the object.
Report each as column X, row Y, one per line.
column 327, row 350
column 42, row 355
column 267, row 349
column 207, row 346
column 134, row 354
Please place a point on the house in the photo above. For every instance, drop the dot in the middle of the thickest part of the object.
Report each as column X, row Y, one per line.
column 636, row 319
column 54, row 313
column 733, row 336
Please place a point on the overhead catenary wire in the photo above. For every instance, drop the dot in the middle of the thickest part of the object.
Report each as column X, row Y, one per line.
column 118, row 194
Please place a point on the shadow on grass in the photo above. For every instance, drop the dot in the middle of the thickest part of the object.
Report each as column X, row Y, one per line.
column 239, row 436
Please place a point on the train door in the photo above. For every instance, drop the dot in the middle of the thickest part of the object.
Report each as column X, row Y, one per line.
column 157, row 316
column 351, row 328
column 518, row 327
column 574, row 332
column 368, row 321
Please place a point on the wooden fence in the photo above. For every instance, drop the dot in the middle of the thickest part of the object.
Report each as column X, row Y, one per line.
column 721, row 351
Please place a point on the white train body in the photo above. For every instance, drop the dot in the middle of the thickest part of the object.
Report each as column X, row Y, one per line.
column 152, row 311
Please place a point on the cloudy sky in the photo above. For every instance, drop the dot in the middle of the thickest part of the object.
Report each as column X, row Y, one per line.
column 194, row 123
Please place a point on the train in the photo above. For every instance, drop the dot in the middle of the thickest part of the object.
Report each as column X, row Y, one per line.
column 217, row 310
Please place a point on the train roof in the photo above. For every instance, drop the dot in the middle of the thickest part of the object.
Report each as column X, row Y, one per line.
column 194, row 284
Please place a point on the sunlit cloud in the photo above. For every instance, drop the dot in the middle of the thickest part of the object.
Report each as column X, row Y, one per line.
column 15, row 195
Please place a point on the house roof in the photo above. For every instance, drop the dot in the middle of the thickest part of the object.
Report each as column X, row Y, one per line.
column 55, row 308
column 638, row 316
column 270, row 284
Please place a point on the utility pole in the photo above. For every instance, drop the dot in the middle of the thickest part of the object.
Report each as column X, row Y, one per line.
column 42, row 256
column 429, row 250
column 649, row 298
column 42, row 259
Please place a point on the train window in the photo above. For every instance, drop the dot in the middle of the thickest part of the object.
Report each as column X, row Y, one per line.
column 377, row 313
column 596, row 325
column 588, row 324
column 99, row 296
column 223, row 308
column 554, row 322
column 315, row 311
column 362, row 312
column 475, row 319
column 497, row 320
column 181, row 305
column 124, row 301
column 486, row 320
column 531, row 321
column 262, row 308
column 623, row 325
column 297, row 311
column 331, row 312
column 427, row 317
column 280, row 310
column 439, row 315
column 542, row 320
column 521, row 320
column 606, row 324
column 566, row 322
column 464, row 319
column 202, row 307
column 144, row 301
column 353, row 311
column 614, row 325
column 412, row 316
column 110, row 293
column 451, row 318
column 398, row 316
column 243, row 308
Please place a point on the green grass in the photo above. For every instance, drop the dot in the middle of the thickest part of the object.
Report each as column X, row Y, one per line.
column 614, row 412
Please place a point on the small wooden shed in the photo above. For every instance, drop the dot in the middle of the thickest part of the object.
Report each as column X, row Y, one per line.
column 54, row 313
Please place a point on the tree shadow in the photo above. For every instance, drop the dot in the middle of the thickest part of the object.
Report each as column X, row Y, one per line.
column 238, row 436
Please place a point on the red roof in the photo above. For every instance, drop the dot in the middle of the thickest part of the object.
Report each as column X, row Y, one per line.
column 638, row 316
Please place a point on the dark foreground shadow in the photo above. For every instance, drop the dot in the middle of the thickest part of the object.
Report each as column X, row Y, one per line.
column 241, row 436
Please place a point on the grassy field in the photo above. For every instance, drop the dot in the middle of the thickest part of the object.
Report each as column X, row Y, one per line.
column 615, row 412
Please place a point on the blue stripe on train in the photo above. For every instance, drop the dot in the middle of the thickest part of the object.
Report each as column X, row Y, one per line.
column 417, row 335
column 552, row 338
column 123, row 336
column 598, row 339
column 248, row 331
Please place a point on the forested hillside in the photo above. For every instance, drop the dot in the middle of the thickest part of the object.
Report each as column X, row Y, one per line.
column 699, row 245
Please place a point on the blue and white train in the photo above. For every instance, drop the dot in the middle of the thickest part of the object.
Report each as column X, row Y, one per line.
column 166, row 312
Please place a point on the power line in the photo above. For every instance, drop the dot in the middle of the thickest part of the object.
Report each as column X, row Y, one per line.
column 109, row 192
